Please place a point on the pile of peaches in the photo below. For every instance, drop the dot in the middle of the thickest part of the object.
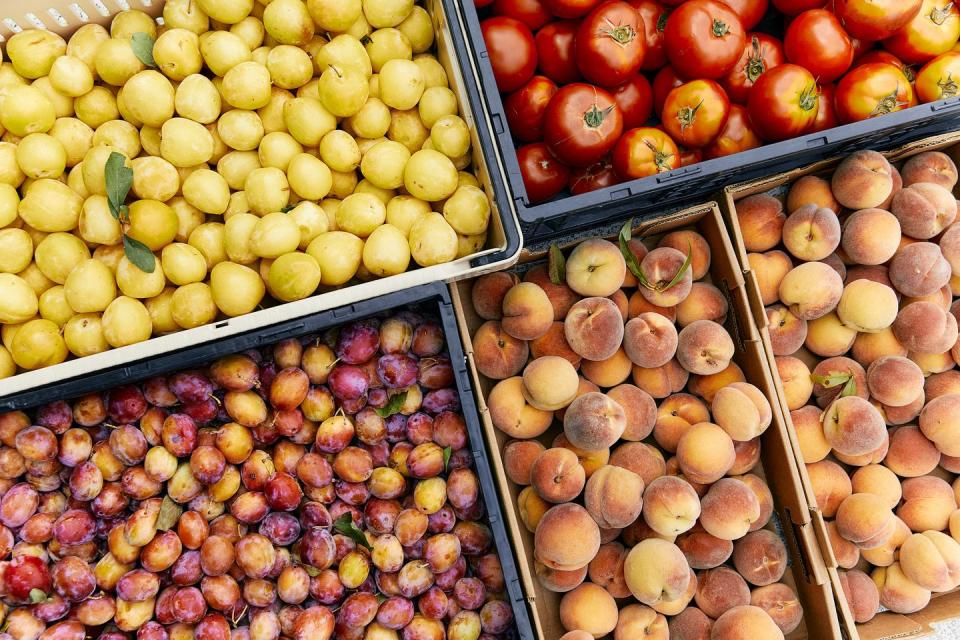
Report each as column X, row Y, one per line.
column 858, row 271
column 645, row 506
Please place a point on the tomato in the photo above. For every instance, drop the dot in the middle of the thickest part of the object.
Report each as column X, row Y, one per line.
column 530, row 12
column 694, row 113
column 815, row 40
column 567, row 9
column 526, row 106
column 479, row 4
column 879, row 55
column 783, row 103
column 555, row 46
column 875, row 19
column 643, row 152
column 750, row 11
column 826, row 111
column 512, row 52
column 761, row 52
column 689, row 156
column 871, row 90
column 737, row 135
column 543, row 175
column 664, row 82
column 599, row 175
column 582, row 124
column 635, row 99
column 796, row 7
column 939, row 78
column 654, row 17
column 860, row 47
column 609, row 45
column 933, row 31
column 704, row 39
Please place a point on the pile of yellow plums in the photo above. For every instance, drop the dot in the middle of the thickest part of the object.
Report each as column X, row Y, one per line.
column 276, row 149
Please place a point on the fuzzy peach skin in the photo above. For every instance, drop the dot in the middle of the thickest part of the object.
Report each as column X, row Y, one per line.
column 925, row 327
column 640, row 409
column 674, row 606
column 511, row 413
column 550, row 383
column 764, row 496
column 940, row 422
column 704, row 348
column 811, row 290
column 853, row 426
column 527, row 312
column 705, row 302
column 656, row 570
column 927, row 504
column 867, row 347
column 531, row 508
column 924, row 209
column 638, row 622
column 705, row 453
column 831, row 485
column 595, row 267
column 880, row 480
column 606, row 569
column 670, row 505
column 911, row 455
column 846, row 553
column 862, row 595
column 814, row 446
column 761, row 220
column 561, row 296
column 863, row 179
column 811, row 190
column 760, row 557
column 729, row 509
column 675, row 416
column 895, row 416
column 650, row 340
column 567, row 538
column 589, row 608
column 518, row 457
column 643, row 459
column 660, row 267
column 919, row 269
column 930, row 166
column 686, row 240
column 886, row 554
column 894, row 380
column 769, row 269
column 719, row 590
column 553, row 343
column 827, row 336
column 811, row 233
column 745, row 623
column 589, row 460
column 496, row 354
column 795, row 378
column 942, row 384
column 690, row 624
column 594, row 328
column 781, row 604
column 557, row 476
column 613, row 496
column 787, row 331
column 865, row 520
column 950, row 247
column 594, row 421
column 871, row 236
column 576, row 635
column 660, row 382
column 488, row 292
column 702, row 550
column 867, row 306
column 609, row 372
column 837, row 372
column 559, row 581
column 747, row 456
column 932, row 560
column 742, row 411
column 898, row 593
column 707, row 386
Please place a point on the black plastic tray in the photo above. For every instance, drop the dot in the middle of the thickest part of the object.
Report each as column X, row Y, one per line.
column 426, row 296
column 648, row 197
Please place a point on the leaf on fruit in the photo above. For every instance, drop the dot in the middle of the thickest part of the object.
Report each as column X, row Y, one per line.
column 139, row 254
column 849, row 389
column 394, row 404
column 833, row 380
column 344, row 524
column 683, row 269
column 37, row 595
column 557, row 265
column 118, row 178
column 142, row 45
column 169, row 514
column 631, row 260
column 447, row 452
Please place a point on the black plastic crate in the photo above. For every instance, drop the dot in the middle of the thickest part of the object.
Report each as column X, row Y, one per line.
column 649, row 197
column 434, row 297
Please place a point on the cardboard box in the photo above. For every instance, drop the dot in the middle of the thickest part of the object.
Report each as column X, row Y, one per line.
column 808, row 571
column 886, row 624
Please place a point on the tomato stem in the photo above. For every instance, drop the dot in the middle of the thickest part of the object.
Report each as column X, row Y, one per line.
column 939, row 16
column 720, row 28
column 660, row 158
column 809, row 98
column 888, row 104
column 755, row 65
column 594, row 117
column 686, row 115
column 948, row 87
column 662, row 21
column 622, row 34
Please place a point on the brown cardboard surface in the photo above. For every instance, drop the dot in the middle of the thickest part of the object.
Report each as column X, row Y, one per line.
column 808, row 572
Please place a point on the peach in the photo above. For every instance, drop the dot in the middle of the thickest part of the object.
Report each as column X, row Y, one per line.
column 787, row 331
column 518, row 457
column 662, row 381
column 497, row 354
column 638, row 622
column 606, row 569
column 707, row 386
column 862, row 180
column 927, row 503
column 861, row 594
column 942, row 297
column 865, row 520
column 846, row 553
column 811, row 233
column 867, row 306
column 670, row 505
column 673, row 606
column 594, row 421
column 747, row 456
column 554, row 343
column 650, row 340
column 769, row 269
column 488, row 292
column 567, row 538
column 932, row 560
column 761, row 220
column 781, row 604
column 950, row 247
column 559, row 581
column 833, row 376
column 931, row 363
column 827, row 336
column 660, row 268
column 930, row 166
column 894, row 380
column 941, row 384
column 811, row 190
column 877, row 273
column 831, row 486
column 902, row 415
column 690, row 624
column 609, row 372
column 656, row 571
column 853, row 426
column 954, row 524
column 879, row 480
column 620, row 299
column 585, row 387
column 594, row 328
column 613, row 496
column 836, row 262
column 589, row 460
column 871, row 236
column 911, row 454
column 813, row 444
column 561, row 296
column 640, row 530
column 609, row 535
column 595, row 267
column 795, row 380
column 869, row 346
column 675, row 416
column 742, row 411
column 705, row 302
column 811, row 290
column 719, row 590
column 940, row 422
column 531, row 508
column 640, row 409
column 745, row 623
column 704, row 348
column 873, row 457
column 705, row 453
column 702, row 550
column 550, row 383
column 729, row 509
column 557, row 476
column 686, row 240
column 637, row 304
column 898, row 593
column 919, row 269
column 764, row 497
column 511, row 413
column 577, row 635
column 643, row 459
column 924, row 209
column 926, row 328
column 527, row 313
column 760, row 557
column 589, row 608
column 887, row 553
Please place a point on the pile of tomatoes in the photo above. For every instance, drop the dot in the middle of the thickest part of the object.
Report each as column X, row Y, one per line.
column 583, row 79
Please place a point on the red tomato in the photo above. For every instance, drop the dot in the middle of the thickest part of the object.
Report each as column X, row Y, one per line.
column 635, row 99
column 526, row 106
column 750, row 11
column 530, row 12
column 826, row 111
column 599, row 175
column 737, row 135
column 512, row 52
column 543, row 175
column 783, row 103
column 879, row 55
column 664, row 82
column 571, row 8
column 690, row 156
column 582, row 124
column 609, row 44
column 933, row 31
column 555, row 46
column 796, row 7
column 939, row 78
column 761, row 53
column 704, row 39
column 816, row 40
column 860, row 47
column 481, row 3
column 645, row 152
column 654, row 17
column 871, row 90
column 694, row 113
column 875, row 19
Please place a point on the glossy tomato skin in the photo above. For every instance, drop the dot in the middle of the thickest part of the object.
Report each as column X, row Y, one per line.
column 694, row 113
column 635, row 99
column 783, row 103
column 816, row 40
column 654, row 17
column 796, row 7
column 645, row 151
column 703, row 39
column 939, row 78
column 543, row 175
column 875, row 19
column 826, row 111
column 555, row 52
column 750, row 11
column 479, row 4
column 861, row 47
column 582, row 124
column 879, row 55
column 609, row 46
column 512, row 52
column 664, row 82
column 931, row 32
column 737, row 135
column 599, row 175
column 532, row 13
column 872, row 90
column 526, row 107
column 762, row 52
column 568, row 9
